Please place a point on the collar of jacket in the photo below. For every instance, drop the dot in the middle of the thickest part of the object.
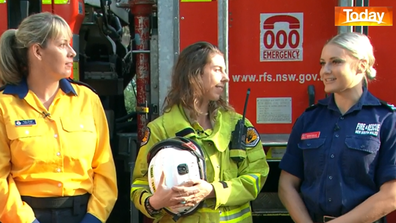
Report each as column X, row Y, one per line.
column 22, row 88
column 176, row 121
column 367, row 99
column 192, row 121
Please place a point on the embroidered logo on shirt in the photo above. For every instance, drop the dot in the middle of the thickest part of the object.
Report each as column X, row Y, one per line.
column 310, row 135
column 252, row 137
column 146, row 136
column 367, row 129
column 27, row 122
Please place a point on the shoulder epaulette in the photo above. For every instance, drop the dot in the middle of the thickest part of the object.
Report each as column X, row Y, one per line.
column 313, row 106
column 83, row 84
column 386, row 104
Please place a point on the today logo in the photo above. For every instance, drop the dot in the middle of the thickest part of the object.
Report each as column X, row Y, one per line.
column 363, row 16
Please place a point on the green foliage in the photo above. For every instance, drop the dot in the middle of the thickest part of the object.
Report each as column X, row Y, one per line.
column 130, row 96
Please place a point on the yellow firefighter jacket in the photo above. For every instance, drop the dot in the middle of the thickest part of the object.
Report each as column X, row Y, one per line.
column 235, row 184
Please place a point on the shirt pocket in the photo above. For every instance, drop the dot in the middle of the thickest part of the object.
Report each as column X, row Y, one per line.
column 313, row 154
column 27, row 143
column 83, row 124
column 359, row 157
column 80, row 135
column 23, row 133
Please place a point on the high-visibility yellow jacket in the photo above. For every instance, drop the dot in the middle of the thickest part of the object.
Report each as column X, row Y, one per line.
column 235, row 184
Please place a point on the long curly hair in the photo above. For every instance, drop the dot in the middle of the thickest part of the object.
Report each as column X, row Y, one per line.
column 187, row 88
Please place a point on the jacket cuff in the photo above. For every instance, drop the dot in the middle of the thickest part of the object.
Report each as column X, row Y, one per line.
column 89, row 218
column 35, row 221
column 222, row 192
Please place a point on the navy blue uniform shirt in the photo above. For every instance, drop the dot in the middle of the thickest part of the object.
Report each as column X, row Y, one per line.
column 342, row 159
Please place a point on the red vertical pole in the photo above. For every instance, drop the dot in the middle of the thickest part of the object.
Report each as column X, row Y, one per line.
column 141, row 10
column 4, row 17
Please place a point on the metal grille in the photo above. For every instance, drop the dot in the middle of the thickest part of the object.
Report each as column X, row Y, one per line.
column 268, row 204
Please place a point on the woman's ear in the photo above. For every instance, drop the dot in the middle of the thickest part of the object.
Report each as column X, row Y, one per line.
column 36, row 51
column 362, row 66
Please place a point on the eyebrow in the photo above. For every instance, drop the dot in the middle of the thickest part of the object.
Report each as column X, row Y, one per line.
column 62, row 40
column 218, row 66
column 332, row 58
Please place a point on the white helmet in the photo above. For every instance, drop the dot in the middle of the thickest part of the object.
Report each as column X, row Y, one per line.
column 181, row 160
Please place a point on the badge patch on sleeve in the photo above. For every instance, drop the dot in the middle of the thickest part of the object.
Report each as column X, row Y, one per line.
column 252, row 137
column 146, row 136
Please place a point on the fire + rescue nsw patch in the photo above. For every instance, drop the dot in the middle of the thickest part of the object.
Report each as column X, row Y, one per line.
column 252, row 137
column 367, row 129
column 146, row 136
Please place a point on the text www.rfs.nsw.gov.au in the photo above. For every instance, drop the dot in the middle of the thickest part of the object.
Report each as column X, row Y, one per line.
column 266, row 77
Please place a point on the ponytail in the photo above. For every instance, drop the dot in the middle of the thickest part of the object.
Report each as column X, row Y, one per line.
column 13, row 58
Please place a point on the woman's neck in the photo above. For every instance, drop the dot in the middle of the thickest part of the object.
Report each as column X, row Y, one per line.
column 44, row 89
column 348, row 98
column 203, row 117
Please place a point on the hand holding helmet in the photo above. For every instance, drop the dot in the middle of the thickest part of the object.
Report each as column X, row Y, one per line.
column 183, row 162
column 195, row 191
column 167, row 197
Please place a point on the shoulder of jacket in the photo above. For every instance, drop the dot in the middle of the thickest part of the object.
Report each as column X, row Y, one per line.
column 234, row 117
column 312, row 107
column 159, row 122
column 80, row 83
column 387, row 105
column 156, row 122
column 168, row 114
column 3, row 87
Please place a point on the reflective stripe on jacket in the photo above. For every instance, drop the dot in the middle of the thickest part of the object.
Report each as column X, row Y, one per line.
column 235, row 184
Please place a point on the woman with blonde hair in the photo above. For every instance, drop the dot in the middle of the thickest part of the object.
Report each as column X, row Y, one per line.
column 56, row 165
column 340, row 162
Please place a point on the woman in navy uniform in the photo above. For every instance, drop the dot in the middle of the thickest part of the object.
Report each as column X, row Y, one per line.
column 341, row 154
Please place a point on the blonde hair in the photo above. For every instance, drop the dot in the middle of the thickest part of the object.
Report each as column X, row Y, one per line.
column 14, row 43
column 360, row 47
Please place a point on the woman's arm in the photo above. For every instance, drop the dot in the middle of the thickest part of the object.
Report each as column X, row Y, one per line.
column 251, row 176
column 104, row 193
column 288, row 194
column 12, row 209
column 292, row 174
column 140, row 191
column 374, row 208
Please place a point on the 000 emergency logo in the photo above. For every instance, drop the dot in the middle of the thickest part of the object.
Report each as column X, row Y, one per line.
column 281, row 37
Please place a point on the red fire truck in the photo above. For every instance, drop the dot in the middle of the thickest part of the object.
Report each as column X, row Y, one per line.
column 250, row 32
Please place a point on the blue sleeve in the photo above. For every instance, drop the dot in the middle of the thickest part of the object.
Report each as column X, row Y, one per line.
column 35, row 221
column 89, row 218
column 292, row 161
column 386, row 169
